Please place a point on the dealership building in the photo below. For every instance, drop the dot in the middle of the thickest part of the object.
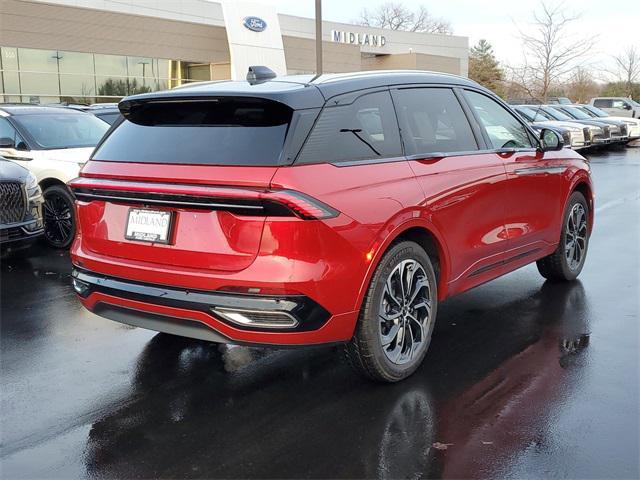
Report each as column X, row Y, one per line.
column 87, row 51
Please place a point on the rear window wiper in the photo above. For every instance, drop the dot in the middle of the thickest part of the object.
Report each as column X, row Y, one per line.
column 355, row 131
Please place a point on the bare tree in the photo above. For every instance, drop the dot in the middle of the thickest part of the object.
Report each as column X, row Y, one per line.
column 628, row 64
column 550, row 51
column 519, row 85
column 395, row 16
column 581, row 86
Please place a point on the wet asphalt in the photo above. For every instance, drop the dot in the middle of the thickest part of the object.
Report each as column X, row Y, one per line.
column 524, row 379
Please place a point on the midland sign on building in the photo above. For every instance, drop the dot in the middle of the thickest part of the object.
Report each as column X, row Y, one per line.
column 357, row 38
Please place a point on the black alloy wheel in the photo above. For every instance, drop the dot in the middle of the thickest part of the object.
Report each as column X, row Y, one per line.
column 59, row 218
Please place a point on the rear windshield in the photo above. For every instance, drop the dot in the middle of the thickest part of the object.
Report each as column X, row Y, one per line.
column 66, row 130
column 215, row 131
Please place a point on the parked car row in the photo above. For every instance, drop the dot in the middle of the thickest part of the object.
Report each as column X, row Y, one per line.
column 581, row 126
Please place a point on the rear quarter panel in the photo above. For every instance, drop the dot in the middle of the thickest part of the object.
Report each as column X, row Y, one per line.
column 375, row 201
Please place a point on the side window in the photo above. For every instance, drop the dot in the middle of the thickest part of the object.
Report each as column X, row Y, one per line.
column 363, row 130
column 602, row 103
column 8, row 131
column 504, row 130
column 432, row 120
column 621, row 104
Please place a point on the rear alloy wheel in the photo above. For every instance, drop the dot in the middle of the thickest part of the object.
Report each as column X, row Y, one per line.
column 566, row 262
column 397, row 317
column 59, row 218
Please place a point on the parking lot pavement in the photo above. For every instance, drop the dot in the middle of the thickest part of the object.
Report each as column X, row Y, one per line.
column 523, row 379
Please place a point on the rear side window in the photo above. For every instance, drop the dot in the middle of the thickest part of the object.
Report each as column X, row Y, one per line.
column 215, row 131
column 603, row 103
column 432, row 120
column 502, row 127
column 363, row 130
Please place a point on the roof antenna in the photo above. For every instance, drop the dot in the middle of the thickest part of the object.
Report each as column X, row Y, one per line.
column 318, row 40
column 259, row 74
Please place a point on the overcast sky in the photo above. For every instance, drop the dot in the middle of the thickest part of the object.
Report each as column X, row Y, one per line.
column 616, row 23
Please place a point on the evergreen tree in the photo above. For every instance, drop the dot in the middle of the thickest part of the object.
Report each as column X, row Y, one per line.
column 484, row 68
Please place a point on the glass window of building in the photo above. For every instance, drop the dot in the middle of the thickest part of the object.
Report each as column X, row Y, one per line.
column 111, row 76
column 50, row 76
column 39, row 79
column 163, row 67
column 142, row 77
column 10, row 78
column 77, row 79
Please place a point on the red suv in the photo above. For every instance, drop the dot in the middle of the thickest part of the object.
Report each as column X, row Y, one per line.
column 305, row 211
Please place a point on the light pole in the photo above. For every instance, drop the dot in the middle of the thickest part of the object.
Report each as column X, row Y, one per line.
column 318, row 38
column 58, row 57
column 144, row 65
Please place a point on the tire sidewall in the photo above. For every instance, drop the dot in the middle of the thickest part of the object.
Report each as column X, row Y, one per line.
column 575, row 198
column 370, row 322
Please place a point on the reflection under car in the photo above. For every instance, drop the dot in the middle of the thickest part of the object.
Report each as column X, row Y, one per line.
column 522, row 360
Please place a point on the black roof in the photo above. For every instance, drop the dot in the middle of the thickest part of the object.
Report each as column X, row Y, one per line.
column 29, row 109
column 303, row 91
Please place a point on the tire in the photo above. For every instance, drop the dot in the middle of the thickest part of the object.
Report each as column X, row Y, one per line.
column 563, row 264
column 366, row 351
column 59, row 217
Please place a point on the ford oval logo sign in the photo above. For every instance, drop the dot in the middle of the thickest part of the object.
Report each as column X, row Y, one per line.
column 255, row 24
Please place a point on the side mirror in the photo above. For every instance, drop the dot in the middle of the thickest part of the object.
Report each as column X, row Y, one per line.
column 626, row 106
column 6, row 142
column 551, row 140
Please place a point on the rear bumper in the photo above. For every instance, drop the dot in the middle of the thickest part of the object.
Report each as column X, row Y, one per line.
column 211, row 315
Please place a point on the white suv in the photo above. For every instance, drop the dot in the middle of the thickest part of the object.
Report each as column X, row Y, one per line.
column 53, row 143
column 617, row 106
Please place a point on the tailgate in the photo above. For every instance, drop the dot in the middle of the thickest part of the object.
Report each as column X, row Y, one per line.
column 212, row 221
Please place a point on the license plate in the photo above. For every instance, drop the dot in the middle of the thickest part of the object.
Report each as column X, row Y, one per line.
column 148, row 225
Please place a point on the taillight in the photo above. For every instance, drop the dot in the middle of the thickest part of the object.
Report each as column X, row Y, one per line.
column 243, row 201
column 303, row 206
